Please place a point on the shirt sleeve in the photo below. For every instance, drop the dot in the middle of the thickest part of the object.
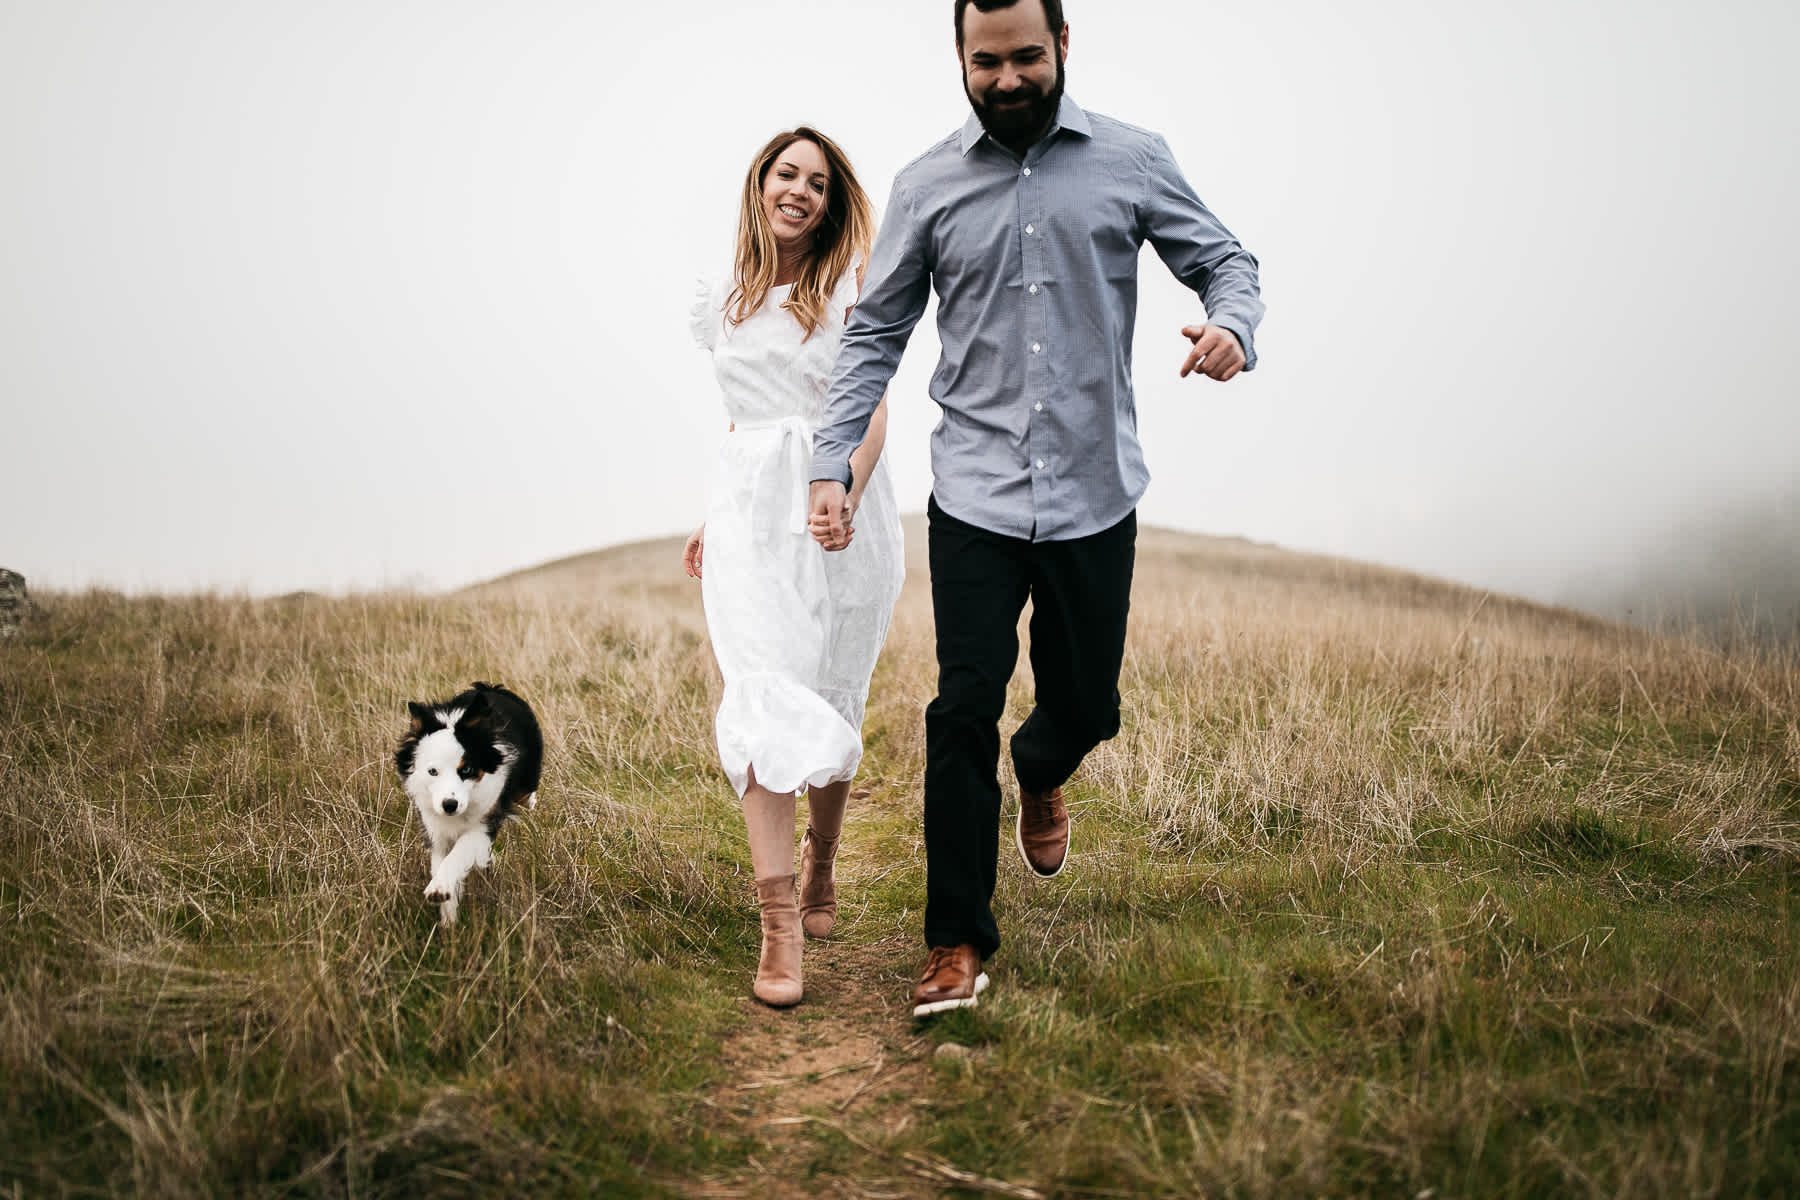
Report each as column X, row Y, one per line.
column 1200, row 251
column 894, row 293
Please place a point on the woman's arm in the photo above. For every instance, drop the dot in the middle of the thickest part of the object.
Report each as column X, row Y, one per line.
column 693, row 554
column 865, row 456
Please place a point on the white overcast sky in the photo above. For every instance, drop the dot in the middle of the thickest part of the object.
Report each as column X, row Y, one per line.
column 345, row 294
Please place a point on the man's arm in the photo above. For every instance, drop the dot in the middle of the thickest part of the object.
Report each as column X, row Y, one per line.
column 1203, row 255
column 893, row 299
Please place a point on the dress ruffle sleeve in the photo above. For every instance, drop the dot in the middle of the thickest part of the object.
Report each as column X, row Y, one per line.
column 843, row 296
column 703, row 318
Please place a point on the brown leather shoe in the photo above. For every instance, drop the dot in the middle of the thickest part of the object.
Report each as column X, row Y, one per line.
column 953, row 979
column 1042, row 833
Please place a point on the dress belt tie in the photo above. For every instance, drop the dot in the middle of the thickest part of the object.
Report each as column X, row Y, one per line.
column 782, row 473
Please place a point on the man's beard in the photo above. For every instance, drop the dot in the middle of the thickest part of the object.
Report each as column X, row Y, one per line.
column 1017, row 127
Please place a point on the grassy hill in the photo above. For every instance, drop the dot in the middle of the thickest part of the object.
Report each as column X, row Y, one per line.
column 1388, row 887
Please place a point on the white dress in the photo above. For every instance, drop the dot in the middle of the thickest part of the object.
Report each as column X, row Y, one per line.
column 796, row 629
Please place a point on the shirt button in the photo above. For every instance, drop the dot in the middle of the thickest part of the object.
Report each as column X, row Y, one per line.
column 1040, row 464
column 1035, row 347
column 1030, row 229
column 1028, row 170
column 1038, row 407
column 1034, row 289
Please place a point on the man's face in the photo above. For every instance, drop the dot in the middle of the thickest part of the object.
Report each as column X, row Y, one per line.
column 1013, row 70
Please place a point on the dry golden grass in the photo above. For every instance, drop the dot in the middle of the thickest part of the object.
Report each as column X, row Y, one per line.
column 1387, row 887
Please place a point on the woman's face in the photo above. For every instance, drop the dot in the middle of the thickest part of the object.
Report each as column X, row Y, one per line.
column 794, row 193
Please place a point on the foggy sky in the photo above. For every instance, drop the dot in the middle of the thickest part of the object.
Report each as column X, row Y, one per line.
column 347, row 295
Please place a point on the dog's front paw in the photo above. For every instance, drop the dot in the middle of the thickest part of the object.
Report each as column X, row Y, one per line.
column 529, row 803
column 447, row 913
column 440, row 891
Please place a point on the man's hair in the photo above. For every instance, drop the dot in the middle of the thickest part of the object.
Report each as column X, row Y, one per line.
column 1052, row 14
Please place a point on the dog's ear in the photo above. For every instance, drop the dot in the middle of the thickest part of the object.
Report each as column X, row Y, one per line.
column 476, row 715
column 422, row 717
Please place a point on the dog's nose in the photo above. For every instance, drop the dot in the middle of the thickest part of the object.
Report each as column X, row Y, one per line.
column 450, row 806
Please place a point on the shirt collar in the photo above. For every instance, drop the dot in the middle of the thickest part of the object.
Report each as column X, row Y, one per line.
column 1068, row 116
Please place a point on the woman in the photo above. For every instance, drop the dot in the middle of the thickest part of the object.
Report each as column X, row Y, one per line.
column 795, row 630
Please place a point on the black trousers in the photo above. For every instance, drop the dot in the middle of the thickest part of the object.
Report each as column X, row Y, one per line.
column 1080, row 593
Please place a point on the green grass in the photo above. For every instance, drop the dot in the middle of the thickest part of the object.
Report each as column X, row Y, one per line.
column 1385, row 889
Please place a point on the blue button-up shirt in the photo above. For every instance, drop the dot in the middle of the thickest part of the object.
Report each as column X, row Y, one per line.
column 1035, row 265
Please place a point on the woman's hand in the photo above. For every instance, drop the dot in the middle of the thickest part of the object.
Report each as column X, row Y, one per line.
column 820, row 527
column 694, row 551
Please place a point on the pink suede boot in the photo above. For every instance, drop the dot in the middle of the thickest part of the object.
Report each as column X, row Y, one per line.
column 778, row 972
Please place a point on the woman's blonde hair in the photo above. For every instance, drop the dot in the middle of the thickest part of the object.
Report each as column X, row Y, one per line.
column 843, row 235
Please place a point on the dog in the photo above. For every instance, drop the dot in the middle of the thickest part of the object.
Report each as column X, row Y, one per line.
column 469, row 765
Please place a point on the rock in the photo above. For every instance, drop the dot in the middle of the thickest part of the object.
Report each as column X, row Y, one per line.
column 15, row 602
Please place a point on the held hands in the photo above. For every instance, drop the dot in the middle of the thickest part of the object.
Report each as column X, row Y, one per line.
column 692, row 553
column 828, row 522
column 1216, row 353
column 829, row 517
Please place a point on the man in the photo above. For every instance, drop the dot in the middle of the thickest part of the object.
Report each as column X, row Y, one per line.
column 1028, row 224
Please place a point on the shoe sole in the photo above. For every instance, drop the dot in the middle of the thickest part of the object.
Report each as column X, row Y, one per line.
column 938, row 1006
column 1019, row 841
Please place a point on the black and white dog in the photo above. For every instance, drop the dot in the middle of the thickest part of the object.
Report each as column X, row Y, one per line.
column 468, row 764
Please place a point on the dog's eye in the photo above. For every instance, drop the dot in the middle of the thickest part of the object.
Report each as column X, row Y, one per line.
column 432, row 771
column 467, row 773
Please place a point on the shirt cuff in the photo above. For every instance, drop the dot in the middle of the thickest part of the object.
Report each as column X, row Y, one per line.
column 838, row 472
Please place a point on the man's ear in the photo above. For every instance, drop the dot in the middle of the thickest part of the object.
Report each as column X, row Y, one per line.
column 1063, row 39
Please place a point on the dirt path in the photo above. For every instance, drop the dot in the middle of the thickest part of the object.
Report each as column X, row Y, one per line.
column 826, row 1086
column 830, row 1089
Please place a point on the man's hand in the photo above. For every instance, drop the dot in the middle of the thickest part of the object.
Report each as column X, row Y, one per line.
column 1216, row 353
column 828, row 519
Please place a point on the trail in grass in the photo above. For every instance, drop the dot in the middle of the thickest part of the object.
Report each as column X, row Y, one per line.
column 825, row 1082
